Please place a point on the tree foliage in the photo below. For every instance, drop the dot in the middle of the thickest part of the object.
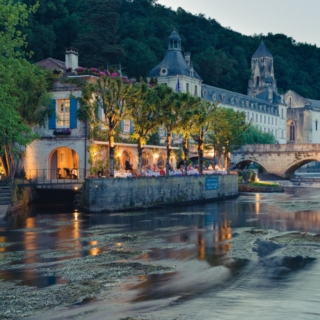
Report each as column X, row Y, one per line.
column 135, row 34
column 254, row 135
column 23, row 87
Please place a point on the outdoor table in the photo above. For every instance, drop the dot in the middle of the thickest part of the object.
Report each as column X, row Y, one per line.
column 192, row 173
column 175, row 173
column 152, row 174
column 119, row 174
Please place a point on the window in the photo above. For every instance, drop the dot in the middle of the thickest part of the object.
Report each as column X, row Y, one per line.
column 316, row 125
column 272, row 120
column 187, row 87
column 265, row 119
column 204, row 93
column 252, row 116
column 162, row 132
column 196, row 90
column 257, row 118
column 126, row 126
column 276, row 121
column 260, row 118
column 291, row 134
column 281, row 113
column 63, row 113
column 268, row 120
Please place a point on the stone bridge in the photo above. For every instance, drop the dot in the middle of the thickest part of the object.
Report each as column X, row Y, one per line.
column 278, row 159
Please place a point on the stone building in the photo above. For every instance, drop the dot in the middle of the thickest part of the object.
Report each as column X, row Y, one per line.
column 64, row 147
column 263, row 105
column 303, row 119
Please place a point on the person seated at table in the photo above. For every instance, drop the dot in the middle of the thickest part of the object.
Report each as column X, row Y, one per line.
column 190, row 167
column 148, row 169
column 171, row 168
column 128, row 166
column 210, row 167
column 181, row 168
column 216, row 167
column 155, row 168
column 162, row 172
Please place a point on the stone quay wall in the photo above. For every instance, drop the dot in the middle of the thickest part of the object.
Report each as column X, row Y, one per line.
column 128, row 194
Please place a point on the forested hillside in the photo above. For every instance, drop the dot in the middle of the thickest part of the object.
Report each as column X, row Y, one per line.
column 134, row 33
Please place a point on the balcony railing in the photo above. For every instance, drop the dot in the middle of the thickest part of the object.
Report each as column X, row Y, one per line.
column 59, row 175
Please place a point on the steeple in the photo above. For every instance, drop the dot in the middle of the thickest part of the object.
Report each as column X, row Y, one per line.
column 174, row 42
column 262, row 73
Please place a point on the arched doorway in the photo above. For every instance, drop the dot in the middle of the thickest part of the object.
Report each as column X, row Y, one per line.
column 162, row 159
column 126, row 156
column 63, row 164
column 147, row 158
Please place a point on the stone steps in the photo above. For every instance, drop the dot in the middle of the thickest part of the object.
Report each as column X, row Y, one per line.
column 5, row 194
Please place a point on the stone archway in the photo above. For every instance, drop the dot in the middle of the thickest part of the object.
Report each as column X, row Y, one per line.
column 291, row 170
column 126, row 155
column 63, row 163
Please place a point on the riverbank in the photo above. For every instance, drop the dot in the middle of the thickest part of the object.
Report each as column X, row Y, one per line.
column 258, row 187
column 103, row 195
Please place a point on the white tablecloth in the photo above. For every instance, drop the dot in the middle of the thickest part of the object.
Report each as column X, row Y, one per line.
column 215, row 172
column 192, row 173
column 152, row 174
column 119, row 174
column 175, row 173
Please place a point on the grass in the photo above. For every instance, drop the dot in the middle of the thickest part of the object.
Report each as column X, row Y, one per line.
column 263, row 184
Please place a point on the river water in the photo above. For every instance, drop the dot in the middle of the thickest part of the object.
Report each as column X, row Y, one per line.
column 208, row 278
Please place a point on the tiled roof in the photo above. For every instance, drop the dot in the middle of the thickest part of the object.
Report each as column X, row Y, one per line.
column 52, row 64
column 175, row 64
column 235, row 99
column 262, row 51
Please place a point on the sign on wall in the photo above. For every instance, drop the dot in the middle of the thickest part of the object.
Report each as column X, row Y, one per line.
column 212, row 183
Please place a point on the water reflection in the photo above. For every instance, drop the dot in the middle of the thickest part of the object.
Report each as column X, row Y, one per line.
column 195, row 236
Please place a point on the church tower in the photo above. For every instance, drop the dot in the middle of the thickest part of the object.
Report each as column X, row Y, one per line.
column 262, row 73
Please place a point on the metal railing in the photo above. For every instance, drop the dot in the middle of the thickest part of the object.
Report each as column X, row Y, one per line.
column 47, row 176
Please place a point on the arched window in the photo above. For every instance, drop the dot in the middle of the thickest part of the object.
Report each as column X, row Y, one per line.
column 291, row 130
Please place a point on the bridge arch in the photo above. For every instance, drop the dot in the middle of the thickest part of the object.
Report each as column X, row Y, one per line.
column 63, row 163
column 290, row 171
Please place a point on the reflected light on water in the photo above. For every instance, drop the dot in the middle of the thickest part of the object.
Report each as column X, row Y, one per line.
column 94, row 251
column 258, row 198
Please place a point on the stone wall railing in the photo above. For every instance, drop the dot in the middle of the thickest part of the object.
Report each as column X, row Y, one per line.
column 123, row 194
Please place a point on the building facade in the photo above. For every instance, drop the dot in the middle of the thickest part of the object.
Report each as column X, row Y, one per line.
column 263, row 106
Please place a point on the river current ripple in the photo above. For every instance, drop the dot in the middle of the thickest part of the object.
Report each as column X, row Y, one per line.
column 205, row 282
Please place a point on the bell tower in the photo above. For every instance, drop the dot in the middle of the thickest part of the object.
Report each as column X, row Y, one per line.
column 262, row 72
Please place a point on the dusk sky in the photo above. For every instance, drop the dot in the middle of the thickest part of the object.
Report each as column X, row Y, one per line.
column 296, row 19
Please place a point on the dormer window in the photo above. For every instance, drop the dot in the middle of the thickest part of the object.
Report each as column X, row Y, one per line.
column 163, row 71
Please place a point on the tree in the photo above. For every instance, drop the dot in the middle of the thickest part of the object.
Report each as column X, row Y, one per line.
column 185, row 121
column 110, row 95
column 170, row 107
column 144, row 111
column 254, row 135
column 227, row 132
column 99, row 41
column 203, row 119
column 23, row 87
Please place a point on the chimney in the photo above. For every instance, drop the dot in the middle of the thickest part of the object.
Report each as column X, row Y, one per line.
column 71, row 58
column 187, row 57
column 270, row 94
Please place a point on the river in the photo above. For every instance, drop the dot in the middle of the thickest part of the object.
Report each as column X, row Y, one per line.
column 186, row 262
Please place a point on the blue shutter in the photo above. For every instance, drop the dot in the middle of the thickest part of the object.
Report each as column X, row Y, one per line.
column 121, row 126
column 131, row 126
column 73, row 113
column 52, row 119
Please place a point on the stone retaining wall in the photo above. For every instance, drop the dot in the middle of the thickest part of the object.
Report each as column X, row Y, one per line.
column 123, row 194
